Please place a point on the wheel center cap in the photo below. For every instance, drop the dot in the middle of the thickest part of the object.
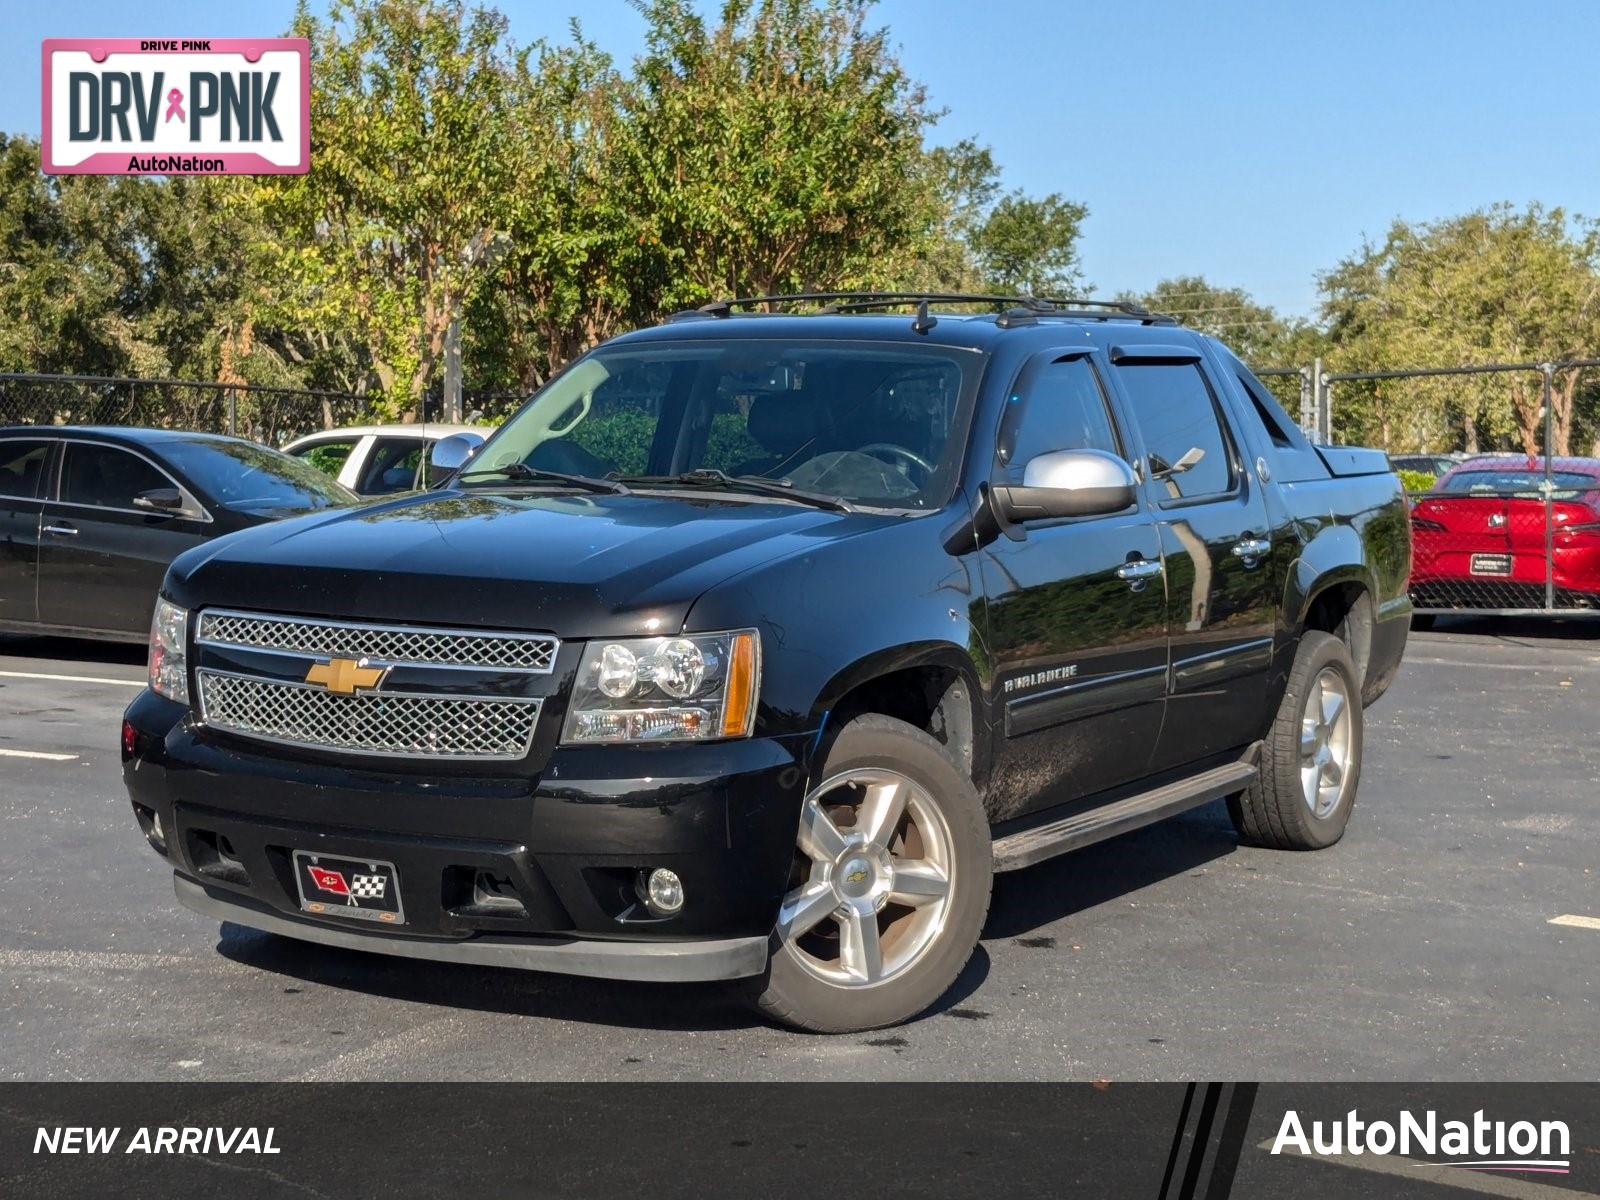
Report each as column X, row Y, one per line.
column 856, row 877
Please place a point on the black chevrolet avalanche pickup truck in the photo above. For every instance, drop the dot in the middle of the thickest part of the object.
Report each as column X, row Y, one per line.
column 756, row 642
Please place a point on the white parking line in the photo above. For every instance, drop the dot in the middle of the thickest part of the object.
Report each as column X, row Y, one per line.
column 1514, row 1187
column 1576, row 921
column 47, row 755
column 95, row 960
column 1590, row 664
column 138, row 683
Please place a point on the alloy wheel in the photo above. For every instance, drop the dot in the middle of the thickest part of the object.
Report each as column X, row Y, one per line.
column 1325, row 743
column 871, row 886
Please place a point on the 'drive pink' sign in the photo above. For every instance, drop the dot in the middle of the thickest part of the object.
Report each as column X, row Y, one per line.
column 208, row 106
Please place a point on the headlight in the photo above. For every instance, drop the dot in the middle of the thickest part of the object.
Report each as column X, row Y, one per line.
column 169, row 667
column 675, row 689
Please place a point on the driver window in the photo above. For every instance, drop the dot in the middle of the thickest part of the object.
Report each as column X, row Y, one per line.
column 105, row 477
column 1064, row 409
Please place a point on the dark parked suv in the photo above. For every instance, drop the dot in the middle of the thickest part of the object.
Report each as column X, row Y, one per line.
column 755, row 643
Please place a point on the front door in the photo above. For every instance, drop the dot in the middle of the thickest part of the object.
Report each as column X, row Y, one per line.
column 23, row 463
column 102, row 557
column 1077, row 614
column 1217, row 544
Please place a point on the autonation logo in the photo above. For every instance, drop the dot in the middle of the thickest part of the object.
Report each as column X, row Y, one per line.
column 1476, row 1145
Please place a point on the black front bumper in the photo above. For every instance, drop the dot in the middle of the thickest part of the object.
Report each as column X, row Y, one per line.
column 561, row 846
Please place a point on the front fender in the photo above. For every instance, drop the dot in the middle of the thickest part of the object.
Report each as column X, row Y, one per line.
column 849, row 611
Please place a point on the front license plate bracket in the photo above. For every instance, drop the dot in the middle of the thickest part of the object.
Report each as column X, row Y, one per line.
column 359, row 889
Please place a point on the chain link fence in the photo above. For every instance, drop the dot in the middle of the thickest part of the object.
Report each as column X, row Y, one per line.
column 270, row 415
column 1504, row 532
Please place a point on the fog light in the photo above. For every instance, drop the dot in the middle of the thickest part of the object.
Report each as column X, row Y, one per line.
column 663, row 893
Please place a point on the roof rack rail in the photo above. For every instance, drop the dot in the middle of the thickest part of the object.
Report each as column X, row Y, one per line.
column 848, row 302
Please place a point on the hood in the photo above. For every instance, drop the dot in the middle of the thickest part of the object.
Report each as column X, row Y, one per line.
column 576, row 566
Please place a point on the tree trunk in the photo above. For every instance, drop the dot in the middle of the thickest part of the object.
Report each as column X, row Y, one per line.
column 1527, row 414
column 1561, row 396
column 451, row 414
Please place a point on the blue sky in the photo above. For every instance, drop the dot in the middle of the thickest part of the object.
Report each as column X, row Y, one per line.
column 1254, row 143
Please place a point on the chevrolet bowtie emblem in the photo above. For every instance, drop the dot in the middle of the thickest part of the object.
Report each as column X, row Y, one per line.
column 345, row 676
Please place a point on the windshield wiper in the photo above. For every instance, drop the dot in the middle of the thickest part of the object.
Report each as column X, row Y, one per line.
column 711, row 477
column 520, row 472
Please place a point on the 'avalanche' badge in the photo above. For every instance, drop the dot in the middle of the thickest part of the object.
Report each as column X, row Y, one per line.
column 362, row 888
column 176, row 106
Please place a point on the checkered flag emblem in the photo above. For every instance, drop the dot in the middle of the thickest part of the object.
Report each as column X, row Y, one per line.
column 367, row 887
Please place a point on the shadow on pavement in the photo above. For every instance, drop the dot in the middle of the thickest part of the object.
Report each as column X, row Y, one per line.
column 1062, row 887
column 1532, row 630
column 683, row 1007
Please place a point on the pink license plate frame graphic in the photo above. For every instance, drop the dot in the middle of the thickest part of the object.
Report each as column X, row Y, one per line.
column 227, row 162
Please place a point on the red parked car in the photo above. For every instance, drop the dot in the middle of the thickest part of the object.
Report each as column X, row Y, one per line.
column 1480, row 537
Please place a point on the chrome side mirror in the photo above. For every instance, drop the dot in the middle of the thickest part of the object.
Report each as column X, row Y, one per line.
column 450, row 454
column 1069, row 483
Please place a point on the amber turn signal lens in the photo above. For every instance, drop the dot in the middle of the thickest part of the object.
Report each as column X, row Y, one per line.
column 739, row 708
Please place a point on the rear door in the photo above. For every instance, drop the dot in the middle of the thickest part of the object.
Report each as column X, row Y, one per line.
column 102, row 558
column 24, row 468
column 1077, row 611
column 1217, row 545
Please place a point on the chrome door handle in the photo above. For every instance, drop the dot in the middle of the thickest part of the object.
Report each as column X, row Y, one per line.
column 62, row 530
column 1251, row 548
column 1136, row 571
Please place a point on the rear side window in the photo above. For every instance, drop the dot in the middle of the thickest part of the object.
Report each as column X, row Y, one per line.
column 1062, row 408
column 22, row 466
column 1285, row 434
column 391, row 466
column 1177, row 414
column 327, row 457
column 105, row 477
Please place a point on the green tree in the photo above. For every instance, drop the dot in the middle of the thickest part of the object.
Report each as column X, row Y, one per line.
column 70, row 278
column 1495, row 285
column 394, row 227
column 1030, row 245
column 1256, row 332
column 780, row 149
column 583, row 256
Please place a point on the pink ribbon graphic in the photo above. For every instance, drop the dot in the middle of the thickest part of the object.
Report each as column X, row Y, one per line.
column 175, row 105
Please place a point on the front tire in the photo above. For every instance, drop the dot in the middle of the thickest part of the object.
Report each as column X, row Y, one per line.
column 1311, row 758
column 890, row 884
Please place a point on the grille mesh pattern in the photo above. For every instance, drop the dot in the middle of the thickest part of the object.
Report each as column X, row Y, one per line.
column 431, row 647
column 368, row 722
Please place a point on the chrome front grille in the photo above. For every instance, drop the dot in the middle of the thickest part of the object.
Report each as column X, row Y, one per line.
column 434, row 693
column 408, row 724
column 395, row 645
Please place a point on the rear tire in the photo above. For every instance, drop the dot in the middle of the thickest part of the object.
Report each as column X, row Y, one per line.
column 890, row 887
column 1311, row 758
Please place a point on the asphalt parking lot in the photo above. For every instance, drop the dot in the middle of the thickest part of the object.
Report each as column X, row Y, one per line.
column 1453, row 934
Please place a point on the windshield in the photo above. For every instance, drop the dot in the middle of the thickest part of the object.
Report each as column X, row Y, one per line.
column 255, row 478
column 1517, row 483
column 870, row 423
